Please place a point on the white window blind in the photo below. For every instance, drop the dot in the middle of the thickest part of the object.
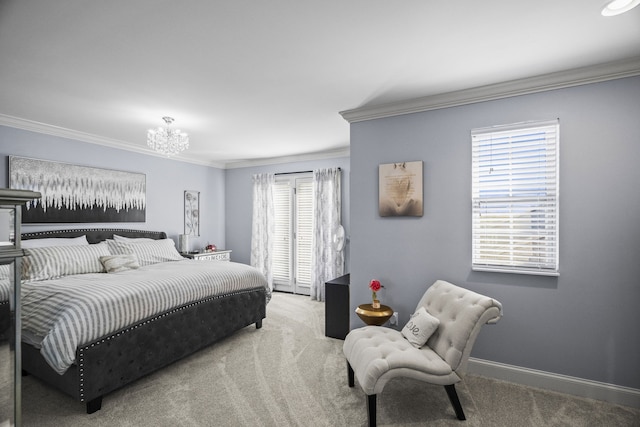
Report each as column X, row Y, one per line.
column 304, row 230
column 515, row 198
column 282, row 199
column 293, row 203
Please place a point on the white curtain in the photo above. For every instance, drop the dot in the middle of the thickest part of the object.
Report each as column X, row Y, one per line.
column 326, row 262
column 262, row 226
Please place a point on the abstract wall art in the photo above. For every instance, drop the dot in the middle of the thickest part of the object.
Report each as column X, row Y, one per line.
column 72, row 193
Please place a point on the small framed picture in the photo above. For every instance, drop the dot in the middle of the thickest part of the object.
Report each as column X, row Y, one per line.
column 400, row 189
column 192, row 213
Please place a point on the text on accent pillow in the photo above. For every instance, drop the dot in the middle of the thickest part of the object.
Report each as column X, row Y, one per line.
column 420, row 327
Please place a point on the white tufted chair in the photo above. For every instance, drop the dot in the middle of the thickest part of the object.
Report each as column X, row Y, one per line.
column 377, row 354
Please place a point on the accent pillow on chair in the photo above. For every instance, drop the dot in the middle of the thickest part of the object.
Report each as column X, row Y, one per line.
column 420, row 327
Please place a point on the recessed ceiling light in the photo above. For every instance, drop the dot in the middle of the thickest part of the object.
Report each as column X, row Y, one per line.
column 616, row 7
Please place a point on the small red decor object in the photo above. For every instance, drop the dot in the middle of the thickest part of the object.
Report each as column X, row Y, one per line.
column 375, row 286
column 210, row 248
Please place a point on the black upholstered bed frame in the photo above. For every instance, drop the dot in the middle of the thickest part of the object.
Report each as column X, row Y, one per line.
column 113, row 361
column 5, row 317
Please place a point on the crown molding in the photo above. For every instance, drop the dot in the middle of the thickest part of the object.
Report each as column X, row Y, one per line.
column 33, row 126
column 579, row 76
column 332, row 154
column 43, row 128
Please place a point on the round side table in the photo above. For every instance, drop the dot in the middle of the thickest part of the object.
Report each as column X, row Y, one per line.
column 374, row 316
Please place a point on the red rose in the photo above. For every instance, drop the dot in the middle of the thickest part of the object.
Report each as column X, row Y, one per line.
column 375, row 285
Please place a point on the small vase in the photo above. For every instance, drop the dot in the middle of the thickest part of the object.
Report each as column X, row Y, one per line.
column 375, row 304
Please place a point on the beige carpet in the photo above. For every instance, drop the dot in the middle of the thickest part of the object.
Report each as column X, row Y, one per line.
column 289, row 374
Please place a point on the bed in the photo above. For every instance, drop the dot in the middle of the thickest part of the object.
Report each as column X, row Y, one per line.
column 178, row 306
column 5, row 293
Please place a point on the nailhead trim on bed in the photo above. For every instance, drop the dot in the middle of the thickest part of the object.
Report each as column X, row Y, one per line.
column 81, row 350
column 94, row 235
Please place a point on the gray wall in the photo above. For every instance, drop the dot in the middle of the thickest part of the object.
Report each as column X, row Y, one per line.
column 166, row 181
column 584, row 323
column 239, row 201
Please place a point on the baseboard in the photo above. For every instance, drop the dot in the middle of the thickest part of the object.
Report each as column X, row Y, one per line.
column 561, row 383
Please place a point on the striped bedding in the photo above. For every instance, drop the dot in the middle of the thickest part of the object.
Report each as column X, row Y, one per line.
column 5, row 289
column 59, row 315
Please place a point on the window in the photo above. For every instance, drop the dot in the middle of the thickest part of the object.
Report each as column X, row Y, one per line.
column 515, row 198
column 293, row 203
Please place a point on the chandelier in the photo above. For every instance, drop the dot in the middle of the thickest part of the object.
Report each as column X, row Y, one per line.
column 166, row 140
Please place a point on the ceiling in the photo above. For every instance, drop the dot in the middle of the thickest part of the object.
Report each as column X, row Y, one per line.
column 253, row 80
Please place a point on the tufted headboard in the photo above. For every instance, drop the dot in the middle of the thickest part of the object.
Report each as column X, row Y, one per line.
column 94, row 235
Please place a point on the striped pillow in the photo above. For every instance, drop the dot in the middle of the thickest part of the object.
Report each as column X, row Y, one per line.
column 5, row 271
column 148, row 252
column 118, row 238
column 58, row 261
column 54, row 241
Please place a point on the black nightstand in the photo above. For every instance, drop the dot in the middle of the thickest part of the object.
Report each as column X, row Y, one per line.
column 336, row 307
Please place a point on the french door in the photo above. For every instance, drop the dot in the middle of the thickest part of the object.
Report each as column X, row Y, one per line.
column 293, row 200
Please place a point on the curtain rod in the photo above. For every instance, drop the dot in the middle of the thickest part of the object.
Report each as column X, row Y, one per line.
column 289, row 173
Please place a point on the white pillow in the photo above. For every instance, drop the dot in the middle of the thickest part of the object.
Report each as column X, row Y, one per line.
column 57, row 261
column 118, row 238
column 420, row 327
column 148, row 252
column 118, row 263
column 54, row 241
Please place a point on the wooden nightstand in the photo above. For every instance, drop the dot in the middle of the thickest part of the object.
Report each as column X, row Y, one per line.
column 219, row 255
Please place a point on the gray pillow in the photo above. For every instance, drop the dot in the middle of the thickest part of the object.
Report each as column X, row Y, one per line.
column 420, row 327
column 118, row 263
